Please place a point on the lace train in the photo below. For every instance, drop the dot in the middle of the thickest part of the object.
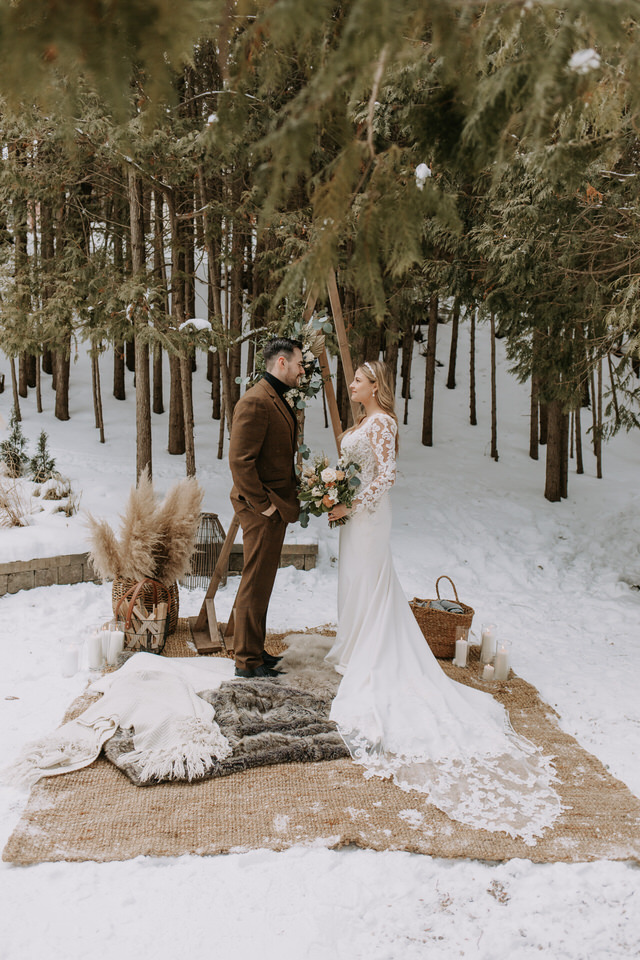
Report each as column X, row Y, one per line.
column 397, row 711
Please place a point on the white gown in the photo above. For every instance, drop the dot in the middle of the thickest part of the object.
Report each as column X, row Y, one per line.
column 397, row 711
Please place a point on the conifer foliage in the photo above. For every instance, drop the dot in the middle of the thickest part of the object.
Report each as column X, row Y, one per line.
column 215, row 162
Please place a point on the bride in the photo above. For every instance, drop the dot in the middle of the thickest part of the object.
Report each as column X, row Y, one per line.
column 397, row 711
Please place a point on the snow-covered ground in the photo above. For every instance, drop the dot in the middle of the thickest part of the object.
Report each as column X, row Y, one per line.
column 560, row 580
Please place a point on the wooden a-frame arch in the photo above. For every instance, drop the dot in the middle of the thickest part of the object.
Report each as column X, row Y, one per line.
column 206, row 631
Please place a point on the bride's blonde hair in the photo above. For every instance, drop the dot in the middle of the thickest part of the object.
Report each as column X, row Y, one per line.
column 378, row 373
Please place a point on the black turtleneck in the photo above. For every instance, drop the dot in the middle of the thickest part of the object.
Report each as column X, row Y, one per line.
column 280, row 388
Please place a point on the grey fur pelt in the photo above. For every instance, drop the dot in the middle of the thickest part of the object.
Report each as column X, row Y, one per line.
column 268, row 721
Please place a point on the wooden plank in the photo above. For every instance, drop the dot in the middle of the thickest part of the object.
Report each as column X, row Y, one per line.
column 343, row 343
column 200, row 621
column 230, row 630
column 207, row 639
column 331, row 396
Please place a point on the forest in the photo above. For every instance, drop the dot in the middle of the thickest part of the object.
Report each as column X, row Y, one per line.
column 453, row 162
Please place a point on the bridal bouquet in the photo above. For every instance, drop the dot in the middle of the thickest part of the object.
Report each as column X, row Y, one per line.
column 321, row 487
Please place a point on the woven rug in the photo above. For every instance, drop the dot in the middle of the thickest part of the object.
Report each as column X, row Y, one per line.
column 98, row 814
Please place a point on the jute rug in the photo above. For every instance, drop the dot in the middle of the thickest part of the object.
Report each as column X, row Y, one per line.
column 98, row 814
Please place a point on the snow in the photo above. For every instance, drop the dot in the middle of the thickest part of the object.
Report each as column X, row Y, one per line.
column 561, row 582
column 582, row 61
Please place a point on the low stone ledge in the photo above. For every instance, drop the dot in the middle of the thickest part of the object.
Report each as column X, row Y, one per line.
column 76, row 567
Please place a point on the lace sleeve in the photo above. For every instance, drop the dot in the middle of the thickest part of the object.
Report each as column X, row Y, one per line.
column 382, row 437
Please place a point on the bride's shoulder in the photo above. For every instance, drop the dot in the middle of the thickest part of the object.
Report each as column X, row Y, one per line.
column 384, row 419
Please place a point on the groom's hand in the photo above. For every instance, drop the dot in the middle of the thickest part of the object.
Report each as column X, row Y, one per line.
column 269, row 513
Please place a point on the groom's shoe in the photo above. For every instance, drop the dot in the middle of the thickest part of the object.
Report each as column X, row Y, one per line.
column 269, row 660
column 260, row 671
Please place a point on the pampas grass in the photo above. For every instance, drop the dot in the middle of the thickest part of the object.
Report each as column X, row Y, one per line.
column 156, row 539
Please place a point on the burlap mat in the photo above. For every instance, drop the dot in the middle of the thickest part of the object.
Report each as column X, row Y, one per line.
column 98, row 814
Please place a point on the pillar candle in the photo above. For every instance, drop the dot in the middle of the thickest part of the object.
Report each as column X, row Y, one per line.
column 488, row 648
column 502, row 663
column 116, row 646
column 106, row 642
column 462, row 651
column 487, row 673
column 94, row 651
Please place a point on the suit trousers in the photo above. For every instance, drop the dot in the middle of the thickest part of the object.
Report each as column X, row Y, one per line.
column 262, row 544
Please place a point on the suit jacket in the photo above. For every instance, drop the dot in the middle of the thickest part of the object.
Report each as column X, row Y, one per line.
column 262, row 451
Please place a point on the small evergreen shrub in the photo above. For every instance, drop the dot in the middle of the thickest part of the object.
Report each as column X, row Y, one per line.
column 12, row 450
column 42, row 464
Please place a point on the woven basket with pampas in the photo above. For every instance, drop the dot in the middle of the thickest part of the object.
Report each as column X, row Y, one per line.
column 156, row 540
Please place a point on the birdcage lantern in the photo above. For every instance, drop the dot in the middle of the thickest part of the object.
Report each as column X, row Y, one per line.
column 209, row 540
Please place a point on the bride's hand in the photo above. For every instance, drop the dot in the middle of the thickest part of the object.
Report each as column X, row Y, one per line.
column 338, row 512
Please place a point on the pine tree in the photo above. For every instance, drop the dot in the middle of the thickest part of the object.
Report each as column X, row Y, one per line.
column 12, row 450
column 42, row 464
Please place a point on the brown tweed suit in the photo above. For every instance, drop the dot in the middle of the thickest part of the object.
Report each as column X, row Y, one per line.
column 261, row 457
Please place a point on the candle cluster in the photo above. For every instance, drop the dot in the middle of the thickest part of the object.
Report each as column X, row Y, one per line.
column 103, row 646
column 494, row 655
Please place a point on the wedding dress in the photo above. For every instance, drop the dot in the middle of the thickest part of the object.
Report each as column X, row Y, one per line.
column 397, row 711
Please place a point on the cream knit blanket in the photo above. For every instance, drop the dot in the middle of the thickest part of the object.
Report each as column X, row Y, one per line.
column 175, row 734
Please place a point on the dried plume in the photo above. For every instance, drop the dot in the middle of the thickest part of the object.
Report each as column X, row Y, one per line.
column 155, row 540
column 177, row 521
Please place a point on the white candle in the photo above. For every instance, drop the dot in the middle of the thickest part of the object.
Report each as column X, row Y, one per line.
column 462, row 651
column 502, row 663
column 116, row 646
column 487, row 673
column 94, row 651
column 488, row 648
column 106, row 642
column 69, row 660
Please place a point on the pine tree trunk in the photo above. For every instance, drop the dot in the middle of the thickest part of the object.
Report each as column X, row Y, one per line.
column 235, row 293
column 614, row 394
column 143, row 385
column 22, row 371
column 38, row 387
column 564, row 463
column 54, row 369
column 555, row 456
column 187, row 403
column 14, row 388
column 118, row 372
column 216, row 398
column 221, row 431
column 176, row 444
column 160, row 275
column 47, row 366
column 578, row 429
column 31, row 370
column 473, row 419
column 533, row 419
column 62, row 379
column 158, row 398
column 130, row 354
column 429, row 381
column 453, row 351
column 407, row 358
column 494, row 412
column 544, row 423
column 98, row 395
column 94, row 388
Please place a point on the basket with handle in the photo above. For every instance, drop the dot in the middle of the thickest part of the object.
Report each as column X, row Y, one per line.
column 169, row 591
column 145, row 609
column 439, row 626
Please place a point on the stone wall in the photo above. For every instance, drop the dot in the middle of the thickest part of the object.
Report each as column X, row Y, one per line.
column 76, row 568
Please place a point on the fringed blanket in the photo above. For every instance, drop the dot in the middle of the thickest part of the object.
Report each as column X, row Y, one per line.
column 174, row 734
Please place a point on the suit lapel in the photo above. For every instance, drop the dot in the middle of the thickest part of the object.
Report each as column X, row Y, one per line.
column 280, row 406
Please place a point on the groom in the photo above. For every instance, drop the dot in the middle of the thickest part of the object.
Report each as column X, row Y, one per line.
column 261, row 457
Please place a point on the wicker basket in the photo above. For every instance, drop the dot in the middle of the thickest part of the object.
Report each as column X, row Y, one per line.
column 145, row 627
column 439, row 626
column 121, row 586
